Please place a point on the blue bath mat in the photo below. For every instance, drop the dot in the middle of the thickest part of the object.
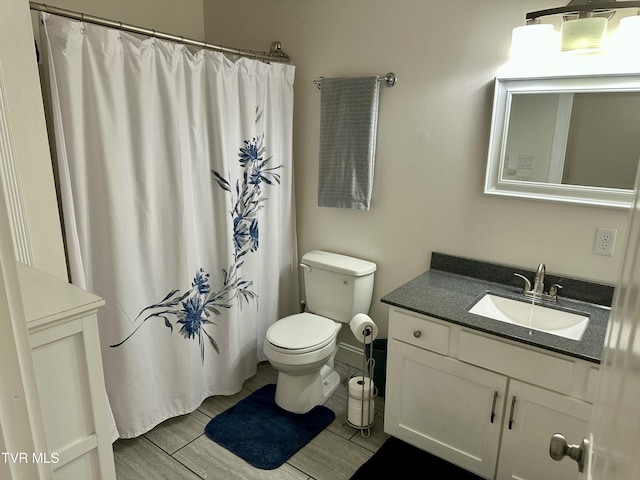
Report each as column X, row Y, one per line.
column 265, row 435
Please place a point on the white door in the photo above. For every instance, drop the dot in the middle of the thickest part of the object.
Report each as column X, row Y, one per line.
column 614, row 429
column 21, row 432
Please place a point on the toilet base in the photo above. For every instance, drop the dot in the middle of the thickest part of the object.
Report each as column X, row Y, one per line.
column 300, row 393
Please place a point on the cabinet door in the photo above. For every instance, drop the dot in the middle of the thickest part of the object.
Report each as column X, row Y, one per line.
column 446, row 407
column 537, row 414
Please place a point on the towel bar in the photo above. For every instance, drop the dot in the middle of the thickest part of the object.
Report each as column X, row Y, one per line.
column 390, row 79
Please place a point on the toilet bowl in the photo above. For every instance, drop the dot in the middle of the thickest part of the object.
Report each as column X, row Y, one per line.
column 302, row 347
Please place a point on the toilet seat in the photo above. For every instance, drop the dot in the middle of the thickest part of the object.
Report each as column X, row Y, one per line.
column 301, row 333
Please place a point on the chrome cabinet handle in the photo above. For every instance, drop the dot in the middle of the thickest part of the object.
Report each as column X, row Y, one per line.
column 513, row 407
column 417, row 334
column 493, row 406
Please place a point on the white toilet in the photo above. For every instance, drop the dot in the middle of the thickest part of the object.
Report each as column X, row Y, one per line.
column 302, row 346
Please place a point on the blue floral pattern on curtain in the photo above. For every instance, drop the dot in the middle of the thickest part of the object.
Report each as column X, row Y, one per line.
column 193, row 308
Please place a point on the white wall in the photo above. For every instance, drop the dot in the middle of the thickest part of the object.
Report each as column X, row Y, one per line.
column 432, row 135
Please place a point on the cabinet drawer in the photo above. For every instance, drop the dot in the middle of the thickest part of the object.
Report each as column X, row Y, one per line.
column 516, row 362
column 419, row 331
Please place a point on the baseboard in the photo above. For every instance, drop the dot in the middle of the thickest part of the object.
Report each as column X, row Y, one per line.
column 350, row 355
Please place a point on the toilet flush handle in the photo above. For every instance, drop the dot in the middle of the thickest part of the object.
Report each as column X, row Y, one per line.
column 305, row 267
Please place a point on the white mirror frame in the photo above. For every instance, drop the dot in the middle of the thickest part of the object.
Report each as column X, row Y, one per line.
column 505, row 87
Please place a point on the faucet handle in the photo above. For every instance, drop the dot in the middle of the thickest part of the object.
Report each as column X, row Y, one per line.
column 553, row 290
column 527, row 283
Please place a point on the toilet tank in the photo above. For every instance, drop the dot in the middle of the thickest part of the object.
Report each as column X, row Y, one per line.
column 337, row 286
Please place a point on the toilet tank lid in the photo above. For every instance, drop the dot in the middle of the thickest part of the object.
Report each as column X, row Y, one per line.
column 338, row 263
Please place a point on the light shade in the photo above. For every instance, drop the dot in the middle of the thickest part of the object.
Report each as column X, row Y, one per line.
column 583, row 34
column 530, row 41
column 629, row 31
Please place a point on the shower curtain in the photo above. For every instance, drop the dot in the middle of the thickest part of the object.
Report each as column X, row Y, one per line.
column 176, row 185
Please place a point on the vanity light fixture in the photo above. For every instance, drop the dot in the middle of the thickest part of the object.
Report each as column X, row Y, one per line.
column 584, row 34
column 585, row 22
column 533, row 39
column 629, row 32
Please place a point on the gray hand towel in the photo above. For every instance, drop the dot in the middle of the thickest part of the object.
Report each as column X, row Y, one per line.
column 348, row 124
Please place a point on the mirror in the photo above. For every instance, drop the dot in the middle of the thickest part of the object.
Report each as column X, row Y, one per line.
column 567, row 139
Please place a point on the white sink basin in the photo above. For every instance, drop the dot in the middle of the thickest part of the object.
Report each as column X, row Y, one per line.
column 536, row 317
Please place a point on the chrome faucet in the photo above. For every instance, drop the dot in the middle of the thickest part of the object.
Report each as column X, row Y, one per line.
column 538, row 282
column 538, row 286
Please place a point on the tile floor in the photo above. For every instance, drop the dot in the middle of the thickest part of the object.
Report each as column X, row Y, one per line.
column 177, row 449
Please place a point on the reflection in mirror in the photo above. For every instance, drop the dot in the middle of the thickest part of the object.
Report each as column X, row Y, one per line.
column 572, row 139
column 590, row 139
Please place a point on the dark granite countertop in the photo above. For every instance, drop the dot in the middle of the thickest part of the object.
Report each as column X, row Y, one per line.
column 445, row 293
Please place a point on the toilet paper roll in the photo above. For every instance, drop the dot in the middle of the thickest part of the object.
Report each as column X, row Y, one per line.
column 363, row 328
column 356, row 389
column 360, row 413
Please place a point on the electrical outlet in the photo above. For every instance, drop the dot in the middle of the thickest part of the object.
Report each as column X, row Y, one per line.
column 605, row 241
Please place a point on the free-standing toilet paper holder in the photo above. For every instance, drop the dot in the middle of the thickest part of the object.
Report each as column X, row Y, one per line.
column 362, row 391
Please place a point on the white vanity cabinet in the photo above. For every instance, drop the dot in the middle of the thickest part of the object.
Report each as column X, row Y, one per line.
column 451, row 391
column 63, row 333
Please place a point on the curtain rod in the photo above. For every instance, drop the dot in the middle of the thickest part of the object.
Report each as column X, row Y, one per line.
column 274, row 55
